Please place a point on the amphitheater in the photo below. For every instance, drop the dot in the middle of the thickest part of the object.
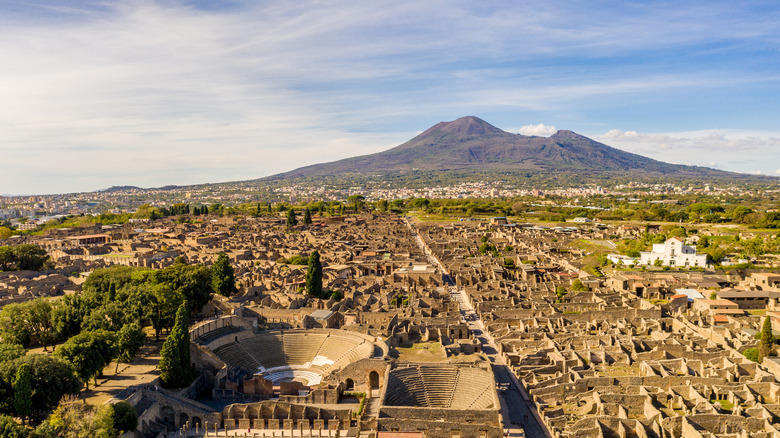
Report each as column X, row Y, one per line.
column 305, row 356
column 440, row 386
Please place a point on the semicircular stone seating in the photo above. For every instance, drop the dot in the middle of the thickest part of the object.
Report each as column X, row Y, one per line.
column 275, row 352
column 431, row 386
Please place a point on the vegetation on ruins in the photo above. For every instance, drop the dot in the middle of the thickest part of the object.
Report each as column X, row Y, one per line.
column 314, row 275
column 175, row 367
column 223, row 278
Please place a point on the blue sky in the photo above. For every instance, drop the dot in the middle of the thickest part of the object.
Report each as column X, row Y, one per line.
column 148, row 93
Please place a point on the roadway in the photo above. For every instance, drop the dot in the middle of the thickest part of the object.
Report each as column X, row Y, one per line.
column 519, row 413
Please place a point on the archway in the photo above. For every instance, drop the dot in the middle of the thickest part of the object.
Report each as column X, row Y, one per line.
column 196, row 422
column 373, row 380
column 183, row 419
column 350, row 384
column 168, row 416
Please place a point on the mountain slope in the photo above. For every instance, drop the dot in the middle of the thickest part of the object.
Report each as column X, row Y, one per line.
column 470, row 143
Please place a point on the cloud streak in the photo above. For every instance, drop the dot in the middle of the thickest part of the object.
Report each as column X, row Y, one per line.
column 152, row 92
column 748, row 152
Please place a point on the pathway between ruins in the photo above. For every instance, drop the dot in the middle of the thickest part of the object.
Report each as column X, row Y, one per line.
column 517, row 410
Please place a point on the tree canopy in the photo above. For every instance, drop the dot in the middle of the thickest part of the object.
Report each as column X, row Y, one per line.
column 223, row 278
column 175, row 367
column 314, row 275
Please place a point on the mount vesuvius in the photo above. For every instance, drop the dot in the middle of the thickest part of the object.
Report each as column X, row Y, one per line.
column 470, row 143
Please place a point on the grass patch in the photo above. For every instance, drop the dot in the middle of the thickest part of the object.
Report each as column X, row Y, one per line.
column 422, row 352
column 724, row 404
column 360, row 396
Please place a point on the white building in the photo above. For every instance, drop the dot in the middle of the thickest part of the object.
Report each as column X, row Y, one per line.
column 673, row 253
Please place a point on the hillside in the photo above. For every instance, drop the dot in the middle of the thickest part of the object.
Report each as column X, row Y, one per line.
column 471, row 144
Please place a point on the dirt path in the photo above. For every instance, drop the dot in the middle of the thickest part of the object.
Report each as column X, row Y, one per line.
column 143, row 369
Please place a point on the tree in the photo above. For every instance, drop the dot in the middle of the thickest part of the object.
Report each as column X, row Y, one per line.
column 175, row 367
column 10, row 351
column 75, row 419
column 125, row 418
column 23, row 392
column 89, row 352
column 5, row 233
column 291, row 220
column 51, row 378
column 223, row 279
column 67, row 315
column 560, row 291
column 6, row 258
column 30, row 257
column 765, row 345
column 10, row 428
column 13, row 324
column 306, row 217
column 752, row 354
column 165, row 302
column 356, row 201
column 577, row 285
column 314, row 275
column 381, row 204
column 129, row 339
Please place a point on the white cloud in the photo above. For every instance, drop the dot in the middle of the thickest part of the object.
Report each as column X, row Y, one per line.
column 540, row 130
column 152, row 92
column 740, row 151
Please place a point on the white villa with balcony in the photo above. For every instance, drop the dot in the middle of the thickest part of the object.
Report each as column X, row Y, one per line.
column 673, row 253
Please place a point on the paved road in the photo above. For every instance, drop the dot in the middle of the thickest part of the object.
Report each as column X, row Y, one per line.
column 518, row 412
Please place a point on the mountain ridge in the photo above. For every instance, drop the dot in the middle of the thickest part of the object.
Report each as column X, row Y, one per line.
column 470, row 143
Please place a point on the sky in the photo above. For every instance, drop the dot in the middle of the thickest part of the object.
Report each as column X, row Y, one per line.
column 154, row 92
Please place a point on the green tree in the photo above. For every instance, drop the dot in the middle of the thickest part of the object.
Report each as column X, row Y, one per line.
column 560, row 291
column 110, row 316
column 765, row 345
column 125, row 418
column 223, row 279
column 89, row 352
column 306, row 216
column 381, row 205
column 356, row 201
column 314, row 275
column 75, row 419
column 165, row 302
column 5, row 233
column 14, row 327
column 175, row 367
column 577, row 285
column 129, row 339
column 23, row 392
column 291, row 220
column 51, row 378
column 752, row 354
column 29, row 257
column 6, row 258
column 9, row 352
column 67, row 315
column 10, row 428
